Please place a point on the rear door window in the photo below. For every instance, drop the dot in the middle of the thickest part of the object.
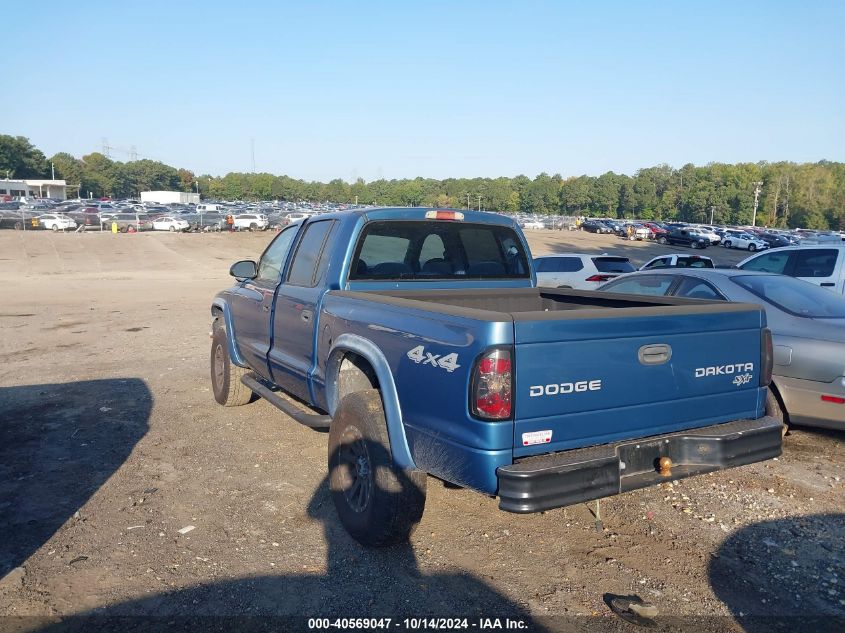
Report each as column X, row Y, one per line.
column 815, row 262
column 642, row 285
column 303, row 270
column 697, row 289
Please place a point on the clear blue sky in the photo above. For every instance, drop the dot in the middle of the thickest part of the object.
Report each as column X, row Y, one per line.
column 435, row 89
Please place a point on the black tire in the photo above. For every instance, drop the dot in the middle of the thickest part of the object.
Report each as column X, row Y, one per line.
column 225, row 375
column 662, row 240
column 751, row 248
column 253, row 227
column 172, row 229
column 774, row 409
column 377, row 502
column 55, row 228
column 727, row 244
column 693, row 245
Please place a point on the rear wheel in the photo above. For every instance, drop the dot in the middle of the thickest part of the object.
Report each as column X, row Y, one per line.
column 774, row 409
column 693, row 245
column 225, row 375
column 661, row 239
column 172, row 229
column 727, row 244
column 55, row 228
column 377, row 502
column 253, row 227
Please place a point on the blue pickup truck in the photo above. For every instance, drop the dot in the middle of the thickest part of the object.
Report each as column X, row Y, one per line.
column 419, row 339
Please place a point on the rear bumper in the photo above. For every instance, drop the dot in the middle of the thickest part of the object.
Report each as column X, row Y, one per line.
column 561, row 479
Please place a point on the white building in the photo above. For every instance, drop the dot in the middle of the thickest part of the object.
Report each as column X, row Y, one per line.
column 33, row 189
column 170, row 197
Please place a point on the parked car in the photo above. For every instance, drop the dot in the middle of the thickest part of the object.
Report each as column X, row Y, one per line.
column 808, row 332
column 678, row 260
column 581, row 271
column 251, row 221
column 656, row 229
column 126, row 220
column 595, row 226
column 169, row 223
column 292, row 218
column 820, row 265
column 418, row 339
column 774, row 240
column 637, row 232
column 56, row 222
column 533, row 224
column 684, row 237
column 741, row 239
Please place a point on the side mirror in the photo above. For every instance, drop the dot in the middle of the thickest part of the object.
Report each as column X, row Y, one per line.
column 244, row 269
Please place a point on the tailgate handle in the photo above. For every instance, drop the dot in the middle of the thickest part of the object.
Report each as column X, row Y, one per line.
column 655, row 354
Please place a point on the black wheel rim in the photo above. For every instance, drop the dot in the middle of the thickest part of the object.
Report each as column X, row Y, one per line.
column 355, row 469
column 219, row 366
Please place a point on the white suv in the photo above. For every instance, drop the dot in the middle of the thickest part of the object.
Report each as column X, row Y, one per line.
column 251, row 221
column 579, row 270
column 823, row 265
column 741, row 239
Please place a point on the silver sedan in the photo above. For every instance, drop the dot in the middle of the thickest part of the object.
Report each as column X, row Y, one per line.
column 808, row 332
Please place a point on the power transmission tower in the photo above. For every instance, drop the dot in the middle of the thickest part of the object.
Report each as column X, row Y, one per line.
column 106, row 147
column 133, row 152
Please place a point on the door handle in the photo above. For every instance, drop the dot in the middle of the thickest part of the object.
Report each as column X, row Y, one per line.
column 305, row 315
column 828, row 284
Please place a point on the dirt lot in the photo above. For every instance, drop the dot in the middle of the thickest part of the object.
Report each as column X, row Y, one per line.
column 112, row 444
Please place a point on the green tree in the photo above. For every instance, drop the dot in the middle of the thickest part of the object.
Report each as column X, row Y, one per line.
column 20, row 159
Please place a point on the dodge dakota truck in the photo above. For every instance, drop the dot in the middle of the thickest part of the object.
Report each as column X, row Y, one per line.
column 419, row 339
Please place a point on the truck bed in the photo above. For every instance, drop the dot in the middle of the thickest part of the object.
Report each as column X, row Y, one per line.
column 521, row 304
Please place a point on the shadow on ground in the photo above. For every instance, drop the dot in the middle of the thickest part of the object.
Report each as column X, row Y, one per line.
column 787, row 574
column 58, row 444
column 358, row 582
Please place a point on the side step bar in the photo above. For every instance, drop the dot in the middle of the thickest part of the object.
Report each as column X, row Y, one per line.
column 314, row 421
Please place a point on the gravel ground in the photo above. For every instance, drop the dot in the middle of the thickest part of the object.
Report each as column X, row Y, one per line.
column 125, row 490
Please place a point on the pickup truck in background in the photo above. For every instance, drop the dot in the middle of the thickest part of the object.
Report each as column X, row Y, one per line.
column 419, row 339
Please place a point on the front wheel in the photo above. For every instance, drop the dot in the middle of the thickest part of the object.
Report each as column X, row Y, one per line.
column 662, row 240
column 225, row 375
column 727, row 244
column 751, row 248
column 172, row 229
column 377, row 502
column 253, row 227
column 55, row 228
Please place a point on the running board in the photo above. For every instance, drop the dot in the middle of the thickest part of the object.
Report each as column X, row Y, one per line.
column 314, row 421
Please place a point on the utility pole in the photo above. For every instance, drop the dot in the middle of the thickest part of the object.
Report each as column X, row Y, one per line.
column 467, row 199
column 757, row 190
column 712, row 209
column 53, row 170
column 479, row 202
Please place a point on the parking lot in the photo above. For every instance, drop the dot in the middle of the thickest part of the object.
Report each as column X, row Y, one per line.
column 113, row 447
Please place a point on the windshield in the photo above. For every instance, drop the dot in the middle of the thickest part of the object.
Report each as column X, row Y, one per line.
column 409, row 250
column 797, row 297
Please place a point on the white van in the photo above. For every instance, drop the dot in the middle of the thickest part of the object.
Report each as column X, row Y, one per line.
column 822, row 264
column 209, row 208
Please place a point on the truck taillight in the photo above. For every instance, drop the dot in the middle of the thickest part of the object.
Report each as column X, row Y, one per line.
column 766, row 357
column 492, row 386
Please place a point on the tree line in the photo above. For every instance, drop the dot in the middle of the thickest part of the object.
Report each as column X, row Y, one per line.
column 809, row 195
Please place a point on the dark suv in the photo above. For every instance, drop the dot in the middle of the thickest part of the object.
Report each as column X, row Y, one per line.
column 684, row 237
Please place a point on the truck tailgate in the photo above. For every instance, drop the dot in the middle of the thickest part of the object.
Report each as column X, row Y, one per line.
column 595, row 377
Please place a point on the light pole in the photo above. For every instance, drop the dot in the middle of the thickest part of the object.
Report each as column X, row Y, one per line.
column 479, row 202
column 757, row 190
